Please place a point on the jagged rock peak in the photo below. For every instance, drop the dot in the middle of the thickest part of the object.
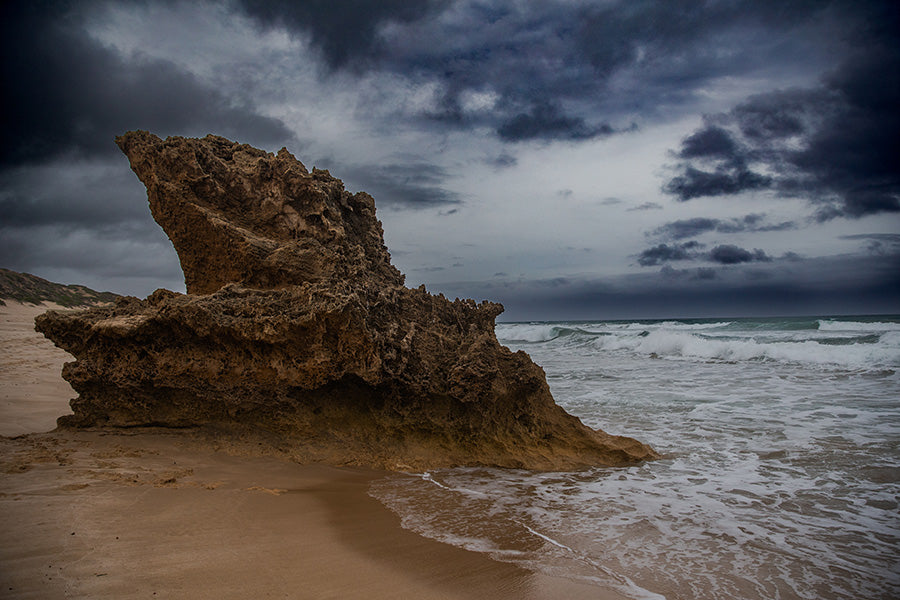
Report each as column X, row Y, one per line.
column 237, row 214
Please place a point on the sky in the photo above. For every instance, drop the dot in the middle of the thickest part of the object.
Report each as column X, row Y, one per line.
column 572, row 160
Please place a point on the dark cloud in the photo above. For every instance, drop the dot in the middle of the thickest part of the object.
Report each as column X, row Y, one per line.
column 87, row 249
column 84, row 222
column 64, row 94
column 70, row 208
column 665, row 252
column 522, row 72
column 124, row 258
column 711, row 142
column 834, row 144
column 728, row 254
column 76, row 194
column 556, row 65
column 724, row 254
column 686, row 228
column 674, row 49
column 646, row 206
column 546, row 122
column 854, row 153
column 727, row 179
column 345, row 31
column 754, row 223
column 414, row 184
column 774, row 116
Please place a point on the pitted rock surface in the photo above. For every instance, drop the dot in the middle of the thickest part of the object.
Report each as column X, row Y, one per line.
column 298, row 331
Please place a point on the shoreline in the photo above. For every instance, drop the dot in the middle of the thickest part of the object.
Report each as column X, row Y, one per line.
column 100, row 514
column 96, row 514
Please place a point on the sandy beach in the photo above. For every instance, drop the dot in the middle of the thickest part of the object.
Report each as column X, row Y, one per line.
column 163, row 514
column 32, row 392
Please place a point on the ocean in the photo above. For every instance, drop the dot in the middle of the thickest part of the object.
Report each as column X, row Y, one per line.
column 780, row 475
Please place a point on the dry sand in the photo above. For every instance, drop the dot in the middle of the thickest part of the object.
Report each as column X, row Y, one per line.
column 32, row 393
column 161, row 514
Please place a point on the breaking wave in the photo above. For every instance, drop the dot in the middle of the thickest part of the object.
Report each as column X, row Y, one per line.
column 847, row 344
column 828, row 325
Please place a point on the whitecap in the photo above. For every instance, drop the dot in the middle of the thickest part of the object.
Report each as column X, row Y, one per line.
column 675, row 344
column 526, row 332
column 832, row 325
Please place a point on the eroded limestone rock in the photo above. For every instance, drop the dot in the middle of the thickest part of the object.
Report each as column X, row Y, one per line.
column 298, row 330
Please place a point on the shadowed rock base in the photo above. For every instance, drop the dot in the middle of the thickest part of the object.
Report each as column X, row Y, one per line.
column 298, row 331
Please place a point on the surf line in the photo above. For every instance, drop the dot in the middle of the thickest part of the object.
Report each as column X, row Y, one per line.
column 426, row 476
column 621, row 582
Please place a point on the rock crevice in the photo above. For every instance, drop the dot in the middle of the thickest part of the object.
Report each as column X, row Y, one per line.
column 297, row 327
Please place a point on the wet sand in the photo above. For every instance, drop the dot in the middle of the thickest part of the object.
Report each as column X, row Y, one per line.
column 161, row 514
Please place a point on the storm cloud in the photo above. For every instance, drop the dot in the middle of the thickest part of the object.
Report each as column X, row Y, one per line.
column 687, row 228
column 665, row 252
column 729, row 254
column 344, row 31
column 544, row 121
column 724, row 180
column 68, row 201
column 833, row 144
column 590, row 152
column 67, row 95
column 723, row 254
column 412, row 184
column 545, row 70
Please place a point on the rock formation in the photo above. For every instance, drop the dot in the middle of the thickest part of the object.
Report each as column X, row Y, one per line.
column 297, row 331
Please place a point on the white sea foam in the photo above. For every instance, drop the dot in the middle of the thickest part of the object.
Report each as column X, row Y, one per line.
column 648, row 326
column 676, row 325
column 830, row 325
column 677, row 344
column 521, row 332
column 844, row 344
column 427, row 477
column 780, row 476
column 546, row 538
